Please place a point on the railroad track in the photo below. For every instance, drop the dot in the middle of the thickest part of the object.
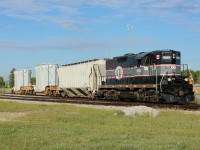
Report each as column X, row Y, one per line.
column 192, row 107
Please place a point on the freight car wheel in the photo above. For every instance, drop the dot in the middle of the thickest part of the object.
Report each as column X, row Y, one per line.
column 55, row 93
column 12, row 91
column 63, row 94
column 49, row 93
column 31, row 92
column 23, row 92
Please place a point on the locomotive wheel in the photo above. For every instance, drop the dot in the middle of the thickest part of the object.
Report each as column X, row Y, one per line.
column 141, row 95
column 115, row 95
column 111, row 95
column 106, row 95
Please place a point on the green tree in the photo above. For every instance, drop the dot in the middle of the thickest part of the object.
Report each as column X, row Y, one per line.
column 2, row 82
column 12, row 77
column 197, row 77
column 33, row 80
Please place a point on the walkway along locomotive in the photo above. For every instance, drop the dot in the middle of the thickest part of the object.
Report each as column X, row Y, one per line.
column 148, row 76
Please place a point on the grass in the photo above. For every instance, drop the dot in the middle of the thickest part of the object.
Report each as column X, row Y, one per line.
column 60, row 127
column 2, row 90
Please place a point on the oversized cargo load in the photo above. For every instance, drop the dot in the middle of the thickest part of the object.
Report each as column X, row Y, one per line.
column 22, row 78
column 83, row 78
column 46, row 75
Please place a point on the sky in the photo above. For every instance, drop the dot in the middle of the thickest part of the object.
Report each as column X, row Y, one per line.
column 67, row 31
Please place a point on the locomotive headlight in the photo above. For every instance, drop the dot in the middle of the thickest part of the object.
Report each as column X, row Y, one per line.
column 186, row 79
column 169, row 79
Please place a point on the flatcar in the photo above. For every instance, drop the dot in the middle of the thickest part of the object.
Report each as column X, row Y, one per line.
column 22, row 82
column 155, row 76
column 46, row 81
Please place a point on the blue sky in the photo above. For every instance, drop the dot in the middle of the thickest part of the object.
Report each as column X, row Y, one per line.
column 66, row 31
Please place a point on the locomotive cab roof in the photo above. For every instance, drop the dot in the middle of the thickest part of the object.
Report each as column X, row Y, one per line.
column 141, row 55
column 129, row 54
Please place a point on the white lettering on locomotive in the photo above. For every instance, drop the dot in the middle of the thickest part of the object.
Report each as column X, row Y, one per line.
column 139, row 71
column 166, row 57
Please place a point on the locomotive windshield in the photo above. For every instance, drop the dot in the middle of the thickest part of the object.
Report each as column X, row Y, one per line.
column 170, row 57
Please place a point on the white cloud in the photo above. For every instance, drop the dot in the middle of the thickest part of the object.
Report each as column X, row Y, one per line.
column 85, row 44
column 70, row 14
column 191, row 6
column 24, row 6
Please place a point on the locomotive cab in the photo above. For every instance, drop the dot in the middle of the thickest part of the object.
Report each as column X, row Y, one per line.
column 174, row 79
column 168, row 63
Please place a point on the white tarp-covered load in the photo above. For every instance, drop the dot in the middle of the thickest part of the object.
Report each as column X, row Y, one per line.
column 83, row 78
column 46, row 75
column 22, row 78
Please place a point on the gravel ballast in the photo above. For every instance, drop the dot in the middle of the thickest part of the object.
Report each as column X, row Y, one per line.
column 128, row 111
column 140, row 110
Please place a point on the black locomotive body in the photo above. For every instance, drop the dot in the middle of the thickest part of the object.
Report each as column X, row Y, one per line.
column 148, row 76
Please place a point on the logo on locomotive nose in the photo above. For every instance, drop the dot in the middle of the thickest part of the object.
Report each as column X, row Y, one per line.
column 119, row 72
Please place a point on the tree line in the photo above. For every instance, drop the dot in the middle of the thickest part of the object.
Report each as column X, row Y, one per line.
column 195, row 75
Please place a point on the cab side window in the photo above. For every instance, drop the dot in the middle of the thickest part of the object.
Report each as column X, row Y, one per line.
column 149, row 60
column 139, row 62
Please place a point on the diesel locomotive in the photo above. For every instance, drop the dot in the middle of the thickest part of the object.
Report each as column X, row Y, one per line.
column 156, row 76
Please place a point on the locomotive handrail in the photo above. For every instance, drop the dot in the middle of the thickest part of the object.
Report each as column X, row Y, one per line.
column 191, row 76
column 156, row 80
column 161, row 82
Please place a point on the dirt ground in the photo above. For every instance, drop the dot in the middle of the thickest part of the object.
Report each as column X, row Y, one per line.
column 10, row 116
column 197, row 90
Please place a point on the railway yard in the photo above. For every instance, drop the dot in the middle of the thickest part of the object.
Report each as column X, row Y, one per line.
column 135, row 101
column 99, row 75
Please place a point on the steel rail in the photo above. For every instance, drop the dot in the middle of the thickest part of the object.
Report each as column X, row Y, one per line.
column 190, row 107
